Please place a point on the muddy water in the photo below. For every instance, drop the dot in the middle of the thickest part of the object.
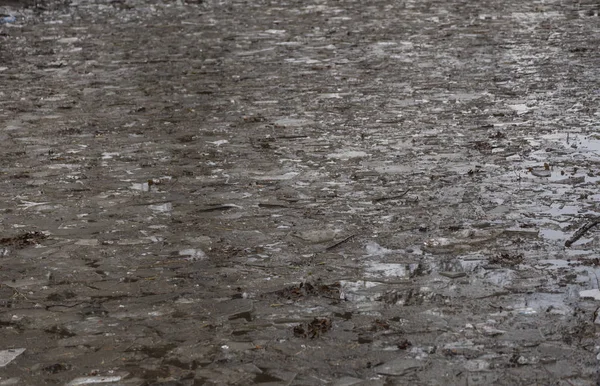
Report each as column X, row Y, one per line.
column 299, row 193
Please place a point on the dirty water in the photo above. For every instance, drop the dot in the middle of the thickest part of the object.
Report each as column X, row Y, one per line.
column 299, row 192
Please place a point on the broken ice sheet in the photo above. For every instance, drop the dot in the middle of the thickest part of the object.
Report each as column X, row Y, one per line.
column 374, row 249
column 94, row 380
column 193, row 254
column 143, row 187
column 7, row 356
column 475, row 365
column 590, row 294
column 109, row 155
column 318, row 235
column 375, row 269
column 360, row 291
column 219, row 142
column 489, row 330
column 161, row 208
column 521, row 108
column 399, row 366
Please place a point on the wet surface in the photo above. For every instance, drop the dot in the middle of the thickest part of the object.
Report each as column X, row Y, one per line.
column 299, row 193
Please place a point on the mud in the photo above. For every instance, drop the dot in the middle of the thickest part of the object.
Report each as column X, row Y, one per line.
column 299, row 192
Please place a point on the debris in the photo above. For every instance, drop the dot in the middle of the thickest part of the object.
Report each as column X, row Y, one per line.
column 404, row 344
column 507, row 260
column 23, row 240
column 380, row 325
column 313, row 329
column 307, row 289
column 7, row 356
column 482, row 146
column 56, row 368
column 592, row 262
column 582, row 231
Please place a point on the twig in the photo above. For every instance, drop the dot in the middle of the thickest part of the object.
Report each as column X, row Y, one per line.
column 291, row 136
column 269, row 205
column 582, row 231
column 329, row 248
column 386, row 198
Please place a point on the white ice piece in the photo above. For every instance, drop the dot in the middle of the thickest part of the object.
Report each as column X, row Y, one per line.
column 162, row 208
column 590, row 294
column 520, row 108
column 67, row 40
column 144, row 186
column 7, row 356
column 387, row 269
column 93, row 380
column 193, row 254
column 374, row 249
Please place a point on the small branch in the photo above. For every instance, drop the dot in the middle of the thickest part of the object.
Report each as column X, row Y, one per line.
column 582, row 231
column 329, row 248
column 387, row 198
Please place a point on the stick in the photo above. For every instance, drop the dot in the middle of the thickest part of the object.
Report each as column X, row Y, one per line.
column 329, row 248
column 579, row 234
column 386, row 198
